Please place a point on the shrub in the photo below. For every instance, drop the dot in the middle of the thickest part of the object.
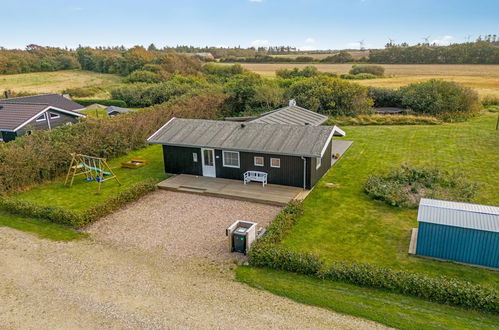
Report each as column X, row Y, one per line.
column 342, row 57
column 442, row 290
column 304, row 59
column 143, row 76
column 447, row 100
column 375, row 70
column 405, row 186
column 82, row 91
column 385, row 97
column 329, row 95
column 72, row 218
column 384, row 120
column 87, row 102
column 308, row 71
column 489, row 100
column 358, row 76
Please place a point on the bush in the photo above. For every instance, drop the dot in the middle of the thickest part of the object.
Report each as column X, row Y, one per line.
column 405, row 186
column 449, row 101
column 385, row 97
column 342, row 57
column 44, row 155
column 375, row 70
column 489, row 100
column 358, row 76
column 142, row 76
column 75, row 219
column 87, row 102
column 82, row 91
column 441, row 290
column 304, row 59
column 329, row 95
column 384, row 120
column 308, row 71
column 266, row 253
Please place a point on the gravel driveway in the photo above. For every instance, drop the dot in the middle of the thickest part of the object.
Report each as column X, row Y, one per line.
column 137, row 281
column 180, row 224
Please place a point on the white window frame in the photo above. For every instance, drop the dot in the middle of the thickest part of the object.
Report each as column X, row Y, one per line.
column 195, row 157
column 54, row 115
column 44, row 115
column 258, row 157
column 231, row 152
column 318, row 163
column 278, row 159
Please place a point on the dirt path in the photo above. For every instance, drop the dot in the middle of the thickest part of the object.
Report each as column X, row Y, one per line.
column 98, row 283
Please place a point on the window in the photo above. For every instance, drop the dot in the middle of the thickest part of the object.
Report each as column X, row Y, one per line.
column 319, row 161
column 275, row 162
column 230, row 159
column 41, row 118
column 259, row 161
column 194, row 157
column 54, row 115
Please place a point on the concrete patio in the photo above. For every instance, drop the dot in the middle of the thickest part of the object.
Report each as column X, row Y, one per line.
column 234, row 189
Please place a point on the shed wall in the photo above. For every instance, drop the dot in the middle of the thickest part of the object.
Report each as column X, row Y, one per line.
column 465, row 245
column 179, row 160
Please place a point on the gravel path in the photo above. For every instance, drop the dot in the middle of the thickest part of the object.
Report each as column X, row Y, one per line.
column 180, row 224
column 98, row 283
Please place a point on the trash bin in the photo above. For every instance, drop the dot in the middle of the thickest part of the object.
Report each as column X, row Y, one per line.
column 239, row 239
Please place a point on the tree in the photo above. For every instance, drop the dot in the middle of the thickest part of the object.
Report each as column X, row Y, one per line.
column 152, row 48
column 329, row 95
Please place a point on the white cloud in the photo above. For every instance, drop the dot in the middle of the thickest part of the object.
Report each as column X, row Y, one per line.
column 310, row 40
column 260, row 43
column 307, row 47
column 255, row 0
column 445, row 40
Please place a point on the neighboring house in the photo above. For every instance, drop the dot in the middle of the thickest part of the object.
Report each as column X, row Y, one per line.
column 462, row 232
column 114, row 110
column 95, row 106
column 55, row 100
column 17, row 119
column 291, row 115
column 389, row 111
column 293, row 155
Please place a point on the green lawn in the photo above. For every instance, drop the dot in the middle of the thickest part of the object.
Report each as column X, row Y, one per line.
column 41, row 228
column 344, row 224
column 83, row 195
column 391, row 309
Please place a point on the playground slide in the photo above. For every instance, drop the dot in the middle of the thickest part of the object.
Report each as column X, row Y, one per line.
column 95, row 169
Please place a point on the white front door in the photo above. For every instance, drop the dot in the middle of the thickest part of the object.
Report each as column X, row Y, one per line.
column 208, row 161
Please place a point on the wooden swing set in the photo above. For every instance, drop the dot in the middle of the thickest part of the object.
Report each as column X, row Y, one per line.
column 93, row 168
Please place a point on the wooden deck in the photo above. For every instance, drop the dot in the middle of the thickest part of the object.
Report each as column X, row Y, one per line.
column 234, row 189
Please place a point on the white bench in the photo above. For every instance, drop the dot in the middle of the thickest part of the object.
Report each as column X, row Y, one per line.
column 255, row 176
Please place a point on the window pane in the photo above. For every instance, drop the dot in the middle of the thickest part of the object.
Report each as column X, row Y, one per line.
column 231, row 158
column 275, row 162
column 259, row 161
column 208, row 157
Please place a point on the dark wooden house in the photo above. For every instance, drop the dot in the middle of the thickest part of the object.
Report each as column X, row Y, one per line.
column 294, row 155
column 17, row 119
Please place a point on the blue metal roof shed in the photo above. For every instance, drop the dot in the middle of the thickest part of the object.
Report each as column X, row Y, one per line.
column 462, row 232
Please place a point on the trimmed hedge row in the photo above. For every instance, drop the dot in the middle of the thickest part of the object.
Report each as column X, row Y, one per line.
column 266, row 253
column 76, row 219
column 87, row 102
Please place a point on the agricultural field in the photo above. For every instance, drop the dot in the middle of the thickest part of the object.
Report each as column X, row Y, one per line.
column 483, row 78
column 57, row 81
column 356, row 54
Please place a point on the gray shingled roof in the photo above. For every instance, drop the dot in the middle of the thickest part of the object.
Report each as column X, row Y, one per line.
column 307, row 141
column 114, row 108
column 55, row 100
column 457, row 214
column 291, row 115
column 13, row 115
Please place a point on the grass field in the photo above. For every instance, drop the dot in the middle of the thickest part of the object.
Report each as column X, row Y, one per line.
column 42, row 229
column 388, row 308
column 346, row 225
column 483, row 78
column 55, row 82
column 83, row 195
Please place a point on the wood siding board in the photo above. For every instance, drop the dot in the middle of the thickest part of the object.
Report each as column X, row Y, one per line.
column 179, row 160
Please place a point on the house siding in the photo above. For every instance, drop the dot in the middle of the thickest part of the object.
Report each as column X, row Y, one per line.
column 179, row 160
column 43, row 125
column 459, row 244
column 317, row 173
column 8, row 136
column 289, row 174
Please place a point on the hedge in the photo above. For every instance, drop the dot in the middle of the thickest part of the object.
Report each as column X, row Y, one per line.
column 266, row 253
column 384, row 120
column 87, row 102
column 76, row 219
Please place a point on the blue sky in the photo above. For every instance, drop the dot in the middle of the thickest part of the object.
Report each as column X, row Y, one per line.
column 307, row 24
